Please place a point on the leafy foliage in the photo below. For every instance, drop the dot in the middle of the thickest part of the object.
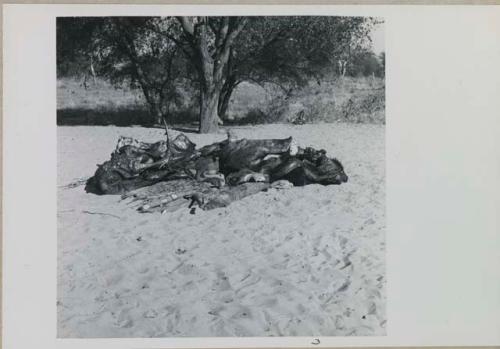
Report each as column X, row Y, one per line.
column 366, row 63
column 170, row 59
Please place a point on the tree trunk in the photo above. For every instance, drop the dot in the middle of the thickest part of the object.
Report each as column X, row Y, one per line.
column 92, row 71
column 208, row 110
column 159, row 118
column 210, row 61
column 154, row 109
column 225, row 97
column 224, row 105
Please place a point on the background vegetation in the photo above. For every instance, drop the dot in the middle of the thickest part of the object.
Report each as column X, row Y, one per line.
column 192, row 71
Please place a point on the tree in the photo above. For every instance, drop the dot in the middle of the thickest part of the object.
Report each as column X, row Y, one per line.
column 285, row 51
column 134, row 50
column 75, row 50
column 156, row 54
column 366, row 63
column 207, row 41
column 289, row 51
column 127, row 49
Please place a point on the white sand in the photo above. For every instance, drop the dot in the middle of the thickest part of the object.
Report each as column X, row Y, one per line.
column 299, row 262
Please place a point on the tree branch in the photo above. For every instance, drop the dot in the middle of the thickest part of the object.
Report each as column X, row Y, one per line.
column 236, row 31
column 221, row 34
column 187, row 25
column 231, row 32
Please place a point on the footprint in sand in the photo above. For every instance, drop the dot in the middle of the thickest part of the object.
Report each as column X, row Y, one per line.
column 186, row 269
column 221, row 283
column 287, row 203
column 346, row 260
column 372, row 310
column 369, row 221
column 343, row 242
column 270, row 303
column 150, row 314
column 326, row 202
column 344, row 286
column 242, row 312
column 215, row 311
column 188, row 286
column 227, row 299
column 143, row 270
column 112, row 279
column 144, row 222
column 249, row 281
column 123, row 320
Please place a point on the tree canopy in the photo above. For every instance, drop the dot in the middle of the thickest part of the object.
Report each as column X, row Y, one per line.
column 211, row 54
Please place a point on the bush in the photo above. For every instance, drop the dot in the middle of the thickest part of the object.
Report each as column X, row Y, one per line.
column 359, row 100
column 368, row 108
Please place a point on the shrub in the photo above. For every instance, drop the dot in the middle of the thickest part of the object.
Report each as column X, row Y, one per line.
column 368, row 108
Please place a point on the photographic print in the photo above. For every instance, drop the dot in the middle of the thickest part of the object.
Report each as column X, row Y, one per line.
column 221, row 176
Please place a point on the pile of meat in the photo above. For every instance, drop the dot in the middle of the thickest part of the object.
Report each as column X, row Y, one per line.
column 171, row 173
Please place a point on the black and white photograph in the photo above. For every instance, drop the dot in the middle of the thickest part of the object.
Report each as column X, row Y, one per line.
column 220, row 176
column 252, row 176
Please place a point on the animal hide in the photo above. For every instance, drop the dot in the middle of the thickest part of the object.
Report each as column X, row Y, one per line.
column 166, row 175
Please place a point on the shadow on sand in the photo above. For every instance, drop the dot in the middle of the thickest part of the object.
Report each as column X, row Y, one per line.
column 182, row 121
column 123, row 117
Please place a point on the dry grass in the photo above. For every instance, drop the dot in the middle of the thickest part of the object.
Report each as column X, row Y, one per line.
column 358, row 100
column 71, row 94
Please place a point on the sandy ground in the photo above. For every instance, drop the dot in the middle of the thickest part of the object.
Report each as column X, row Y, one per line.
column 305, row 261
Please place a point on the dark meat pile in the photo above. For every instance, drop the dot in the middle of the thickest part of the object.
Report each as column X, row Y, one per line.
column 219, row 168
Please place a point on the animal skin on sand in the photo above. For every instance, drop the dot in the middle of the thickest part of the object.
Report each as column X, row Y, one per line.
column 246, row 165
